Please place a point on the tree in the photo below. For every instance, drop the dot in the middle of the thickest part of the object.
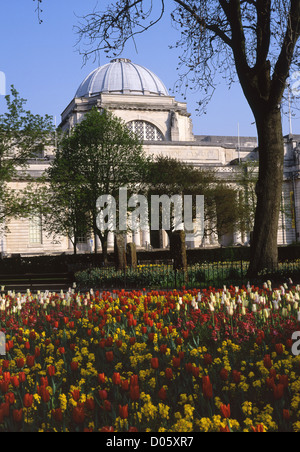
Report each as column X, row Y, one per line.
column 65, row 211
column 170, row 176
column 255, row 40
column 22, row 136
column 98, row 158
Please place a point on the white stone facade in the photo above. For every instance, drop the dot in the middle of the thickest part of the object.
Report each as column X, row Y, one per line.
column 166, row 127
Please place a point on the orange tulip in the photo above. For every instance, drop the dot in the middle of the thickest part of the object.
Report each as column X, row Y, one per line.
column 258, row 429
column 101, row 378
column 123, row 411
column 116, row 378
column 225, row 410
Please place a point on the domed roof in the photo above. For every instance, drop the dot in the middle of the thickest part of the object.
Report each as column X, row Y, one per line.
column 121, row 76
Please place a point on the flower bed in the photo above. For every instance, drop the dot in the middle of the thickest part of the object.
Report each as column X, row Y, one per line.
column 176, row 361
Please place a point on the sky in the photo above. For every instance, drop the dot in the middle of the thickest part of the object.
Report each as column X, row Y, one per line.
column 43, row 63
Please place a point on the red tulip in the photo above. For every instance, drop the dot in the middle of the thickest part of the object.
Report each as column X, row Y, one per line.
column 22, row 377
column 207, row 387
column 134, row 380
column 20, row 363
column 107, row 429
column 236, row 376
column 5, row 408
column 162, row 394
column 4, row 386
column 78, row 415
column 176, row 362
column 51, row 371
column 116, row 378
column 76, row 394
column 258, row 429
column 6, row 377
column 101, row 378
column 30, row 360
column 74, row 366
column 125, row 385
column 57, row 415
column 267, row 362
column 90, row 404
column 109, row 357
column 44, row 381
column 28, row 400
column 134, row 393
column 224, row 429
column 195, row 371
column 284, row 380
column 154, row 363
column 278, row 391
column 102, row 394
column 208, row 359
column 45, row 395
column 17, row 415
column 169, row 373
column 15, row 381
column 123, row 411
column 107, row 405
column 10, row 398
column 225, row 411
column 224, row 374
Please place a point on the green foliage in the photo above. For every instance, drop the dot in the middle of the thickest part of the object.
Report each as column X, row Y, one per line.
column 22, row 136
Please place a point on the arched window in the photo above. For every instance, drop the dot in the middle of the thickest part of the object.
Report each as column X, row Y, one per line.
column 145, row 131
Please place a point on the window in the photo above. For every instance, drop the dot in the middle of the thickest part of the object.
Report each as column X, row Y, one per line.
column 35, row 230
column 145, row 131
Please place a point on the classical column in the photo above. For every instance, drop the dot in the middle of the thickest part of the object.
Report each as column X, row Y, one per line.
column 237, row 238
column 146, row 237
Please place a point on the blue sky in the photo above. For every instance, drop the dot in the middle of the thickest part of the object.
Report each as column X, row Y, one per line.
column 41, row 61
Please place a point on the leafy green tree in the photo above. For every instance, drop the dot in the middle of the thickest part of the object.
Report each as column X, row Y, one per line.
column 170, row 176
column 22, row 136
column 98, row 158
column 65, row 211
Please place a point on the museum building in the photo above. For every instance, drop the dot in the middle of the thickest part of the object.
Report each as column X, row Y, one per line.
column 138, row 96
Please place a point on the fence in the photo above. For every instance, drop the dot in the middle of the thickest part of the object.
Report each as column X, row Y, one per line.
column 163, row 276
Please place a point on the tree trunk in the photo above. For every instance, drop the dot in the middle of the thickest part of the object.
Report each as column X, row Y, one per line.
column 264, row 247
column 75, row 247
column 104, row 243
